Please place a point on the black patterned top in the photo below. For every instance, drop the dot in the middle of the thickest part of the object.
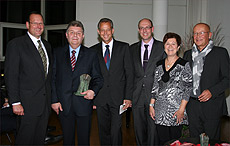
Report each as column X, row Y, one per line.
column 169, row 88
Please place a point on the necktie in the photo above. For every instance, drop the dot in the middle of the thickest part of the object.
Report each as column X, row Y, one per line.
column 43, row 56
column 107, row 57
column 145, row 58
column 73, row 59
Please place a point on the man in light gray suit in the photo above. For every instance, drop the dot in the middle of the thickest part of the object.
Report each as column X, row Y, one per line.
column 145, row 54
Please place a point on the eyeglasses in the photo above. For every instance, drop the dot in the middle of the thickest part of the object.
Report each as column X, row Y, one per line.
column 148, row 27
column 35, row 23
column 72, row 33
column 199, row 33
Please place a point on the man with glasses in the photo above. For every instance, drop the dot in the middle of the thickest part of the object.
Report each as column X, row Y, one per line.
column 28, row 66
column 210, row 67
column 145, row 55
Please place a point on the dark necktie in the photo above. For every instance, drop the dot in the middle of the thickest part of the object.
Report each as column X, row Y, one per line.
column 145, row 58
column 73, row 59
column 107, row 57
column 43, row 56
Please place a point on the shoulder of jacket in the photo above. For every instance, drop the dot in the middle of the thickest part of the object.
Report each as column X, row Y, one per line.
column 95, row 45
column 120, row 42
column 135, row 44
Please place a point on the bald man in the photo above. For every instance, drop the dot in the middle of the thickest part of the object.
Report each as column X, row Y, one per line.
column 210, row 67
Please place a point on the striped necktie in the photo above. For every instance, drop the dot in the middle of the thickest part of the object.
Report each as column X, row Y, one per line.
column 145, row 58
column 73, row 59
column 107, row 57
column 43, row 56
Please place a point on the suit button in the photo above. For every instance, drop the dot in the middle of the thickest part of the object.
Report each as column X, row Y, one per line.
column 143, row 85
column 44, row 94
column 145, row 76
column 107, row 85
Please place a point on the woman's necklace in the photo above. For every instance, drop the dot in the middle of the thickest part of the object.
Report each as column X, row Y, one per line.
column 170, row 63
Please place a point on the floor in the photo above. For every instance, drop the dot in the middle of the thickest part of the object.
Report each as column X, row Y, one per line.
column 128, row 133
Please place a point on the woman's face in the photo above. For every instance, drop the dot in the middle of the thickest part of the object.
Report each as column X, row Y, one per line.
column 171, row 47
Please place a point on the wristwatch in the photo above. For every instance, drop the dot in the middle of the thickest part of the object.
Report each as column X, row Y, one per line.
column 151, row 104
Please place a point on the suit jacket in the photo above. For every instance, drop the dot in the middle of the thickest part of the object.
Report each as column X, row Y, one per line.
column 65, row 81
column 25, row 75
column 118, row 80
column 215, row 78
column 143, row 80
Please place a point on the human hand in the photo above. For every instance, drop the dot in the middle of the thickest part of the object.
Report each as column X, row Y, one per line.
column 89, row 94
column 18, row 109
column 127, row 103
column 205, row 96
column 56, row 107
column 152, row 112
column 179, row 116
column 6, row 104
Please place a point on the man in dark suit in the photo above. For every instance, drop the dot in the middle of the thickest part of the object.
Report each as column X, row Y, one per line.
column 145, row 55
column 118, row 82
column 27, row 74
column 210, row 67
column 70, row 62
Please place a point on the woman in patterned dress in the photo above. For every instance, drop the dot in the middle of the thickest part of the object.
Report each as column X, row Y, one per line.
column 171, row 91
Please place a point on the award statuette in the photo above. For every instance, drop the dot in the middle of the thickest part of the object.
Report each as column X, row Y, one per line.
column 204, row 139
column 84, row 84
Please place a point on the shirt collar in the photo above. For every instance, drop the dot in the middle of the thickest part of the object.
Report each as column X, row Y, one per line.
column 150, row 43
column 110, row 44
column 34, row 39
column 77, row 49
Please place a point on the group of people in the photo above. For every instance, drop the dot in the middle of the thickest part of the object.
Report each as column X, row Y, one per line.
column 164, row 90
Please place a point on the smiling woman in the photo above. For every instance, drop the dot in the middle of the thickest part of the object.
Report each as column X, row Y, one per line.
column 171, row 91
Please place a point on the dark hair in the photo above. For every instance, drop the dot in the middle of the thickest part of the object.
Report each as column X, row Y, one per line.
column 172, row 35
column 145, row 19
column 75, row 23
column 33, row 12
column 103, row 20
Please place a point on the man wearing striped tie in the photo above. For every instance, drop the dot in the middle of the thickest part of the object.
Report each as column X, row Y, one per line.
column 71, row 62
column 117, row 71
column 28, row 66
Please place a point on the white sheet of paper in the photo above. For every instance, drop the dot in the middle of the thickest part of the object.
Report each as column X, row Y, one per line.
column 121, row 109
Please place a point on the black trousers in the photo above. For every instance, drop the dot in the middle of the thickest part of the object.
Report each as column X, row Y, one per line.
column 200, row 123
column 32, row 129
column 68, row 128
column 109, row 125
column 144, row 125
column 8, row 120
column 167, row 133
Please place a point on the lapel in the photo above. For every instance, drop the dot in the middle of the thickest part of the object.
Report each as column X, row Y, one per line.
column 79, row 57
column 115, row 54
column 35, row 53
column 101, row 58
column 138, row 57
column 67, row 59
column 49, row 53
column 153, row 55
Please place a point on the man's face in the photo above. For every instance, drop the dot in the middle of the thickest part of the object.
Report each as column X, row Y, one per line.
column 36, row 25
column 145, row 30
column 201, row 36
column 106, row 32
column 75, row 36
